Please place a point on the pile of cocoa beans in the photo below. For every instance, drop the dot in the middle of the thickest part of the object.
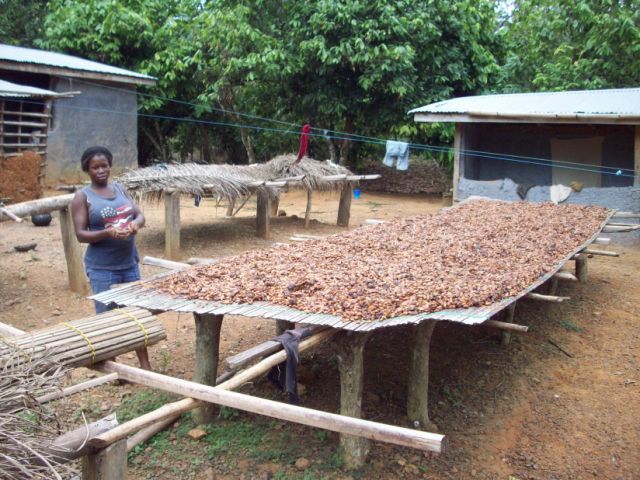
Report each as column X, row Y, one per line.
column 474, row 254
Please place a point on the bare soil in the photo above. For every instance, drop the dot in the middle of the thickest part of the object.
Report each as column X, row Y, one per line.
column 523, row 411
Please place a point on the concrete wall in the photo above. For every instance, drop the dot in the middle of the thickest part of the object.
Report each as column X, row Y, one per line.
column 75, row 127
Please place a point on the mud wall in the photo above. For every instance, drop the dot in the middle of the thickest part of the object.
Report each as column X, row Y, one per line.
column 422, row 177
column 19, row 177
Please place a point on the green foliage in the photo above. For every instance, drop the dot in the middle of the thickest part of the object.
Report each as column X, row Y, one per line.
column 141, row 402
column 21, row 21
column 568, row 45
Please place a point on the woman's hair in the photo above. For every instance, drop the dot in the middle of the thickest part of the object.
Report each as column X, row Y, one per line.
column 91, row 152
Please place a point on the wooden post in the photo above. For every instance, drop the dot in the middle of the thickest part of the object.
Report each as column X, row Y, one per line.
column 344, row 208
column 636, row 179
column 275, row 203
column 350, row 348
column 552, row 285
column 73, row 254
column 418, row 381
column 262, row 215
column 510, row 313
column 172, row 225
column 582, row 269
column 207, row 349
column 231, row 207
column 107, row 464
column 307, row 212
column 457, row 156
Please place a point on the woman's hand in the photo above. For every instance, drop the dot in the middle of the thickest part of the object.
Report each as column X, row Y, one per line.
column 118, row 233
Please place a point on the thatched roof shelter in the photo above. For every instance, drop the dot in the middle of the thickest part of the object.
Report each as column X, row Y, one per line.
column 233, row 181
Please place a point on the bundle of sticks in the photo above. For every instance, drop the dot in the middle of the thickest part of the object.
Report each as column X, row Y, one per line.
column 87, row 341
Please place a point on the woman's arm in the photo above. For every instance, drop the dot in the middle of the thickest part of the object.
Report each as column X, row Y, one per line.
column 80, row 215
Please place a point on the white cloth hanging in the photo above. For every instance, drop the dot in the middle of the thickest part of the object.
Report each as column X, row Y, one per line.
column 398, row 153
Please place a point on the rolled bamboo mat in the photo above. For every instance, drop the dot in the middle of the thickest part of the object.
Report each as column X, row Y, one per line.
column 88, row 340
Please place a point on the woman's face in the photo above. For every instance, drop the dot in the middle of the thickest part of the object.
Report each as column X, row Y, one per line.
column 99, row 169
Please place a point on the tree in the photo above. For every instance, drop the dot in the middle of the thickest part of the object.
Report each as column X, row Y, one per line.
column 577, row 44
column 21, row 21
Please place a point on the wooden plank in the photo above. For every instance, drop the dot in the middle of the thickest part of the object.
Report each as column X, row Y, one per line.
column 80, row 387
column 262, row 215
column 344, row 207
column 546, row 298
column 28, row 114
column 172, row 225
column 24, row 124
column 604, row 253
column 22, row 145
column 602, row 241
column 506, row 326
column 73, row 254
column 73, row 444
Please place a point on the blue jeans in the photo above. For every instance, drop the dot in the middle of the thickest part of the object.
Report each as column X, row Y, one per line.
column 102, row 280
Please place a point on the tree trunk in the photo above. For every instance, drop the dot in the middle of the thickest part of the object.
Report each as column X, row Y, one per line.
column 333, row 151
column 345, row 145
column 228, row 102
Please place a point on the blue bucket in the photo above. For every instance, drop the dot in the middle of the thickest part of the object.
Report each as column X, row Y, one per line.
column 356, row 193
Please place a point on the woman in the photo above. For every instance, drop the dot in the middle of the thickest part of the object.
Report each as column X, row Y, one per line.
column 107, row 219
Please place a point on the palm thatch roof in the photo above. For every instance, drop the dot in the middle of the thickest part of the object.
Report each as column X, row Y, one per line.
column 231, row 182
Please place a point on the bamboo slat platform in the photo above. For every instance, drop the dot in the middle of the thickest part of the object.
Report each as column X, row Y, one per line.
column 144, row 295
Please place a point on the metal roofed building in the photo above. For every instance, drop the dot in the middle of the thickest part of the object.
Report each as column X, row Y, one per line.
column 527, row 142
column 101, row 111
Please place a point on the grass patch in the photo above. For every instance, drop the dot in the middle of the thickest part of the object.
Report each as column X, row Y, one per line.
column 142, row 402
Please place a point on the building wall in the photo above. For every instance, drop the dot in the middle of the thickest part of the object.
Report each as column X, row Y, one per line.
column 484, row 139
column 76, row 125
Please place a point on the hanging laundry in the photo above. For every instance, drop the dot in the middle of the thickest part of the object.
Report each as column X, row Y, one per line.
column 398, row 153
column 304, row 142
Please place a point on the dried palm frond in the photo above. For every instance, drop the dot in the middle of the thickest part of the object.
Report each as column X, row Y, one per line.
column 26, row 428
column 230, row 182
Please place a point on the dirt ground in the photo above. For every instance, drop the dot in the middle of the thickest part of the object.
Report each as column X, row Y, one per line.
column 523, row 411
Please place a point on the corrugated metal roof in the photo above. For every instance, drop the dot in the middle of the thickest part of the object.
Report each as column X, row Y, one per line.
column 58, row 60
column 624, row 102
column 13, row 90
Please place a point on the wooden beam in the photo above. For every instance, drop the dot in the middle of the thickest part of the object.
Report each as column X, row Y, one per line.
column 73, row 444
column 9, row 213
column 80, row 387
column 457, row 159
column 546, row 298
column 172, row 225
column 9, row 330
column 418, row 379
column 161, row 262
column 604, row 253
column 350, row 348
column 602, row 241
column 307, row 212
column 619, row 229
column 207, row 351
column 33, row 207
column 564, row 275
column 73, row 254
column 305, row 416
column 262, row 215
column 626, row 215
column 506, row 326
column 344, row 207
column 508, row 316
column 109, row 463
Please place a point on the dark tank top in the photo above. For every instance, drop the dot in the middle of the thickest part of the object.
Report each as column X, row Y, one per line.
column 110, row 253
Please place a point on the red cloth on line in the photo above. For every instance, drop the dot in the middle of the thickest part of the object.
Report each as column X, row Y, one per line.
column 304, row 142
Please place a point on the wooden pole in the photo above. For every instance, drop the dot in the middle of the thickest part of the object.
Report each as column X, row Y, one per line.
column 292, row 413
column 418, row 380
column 636, row 156
column 274, row 207
column 604, row 253
column 262, row 214
column 505, row 326
column 73, row 444
column 457, row 160
column 509, row 316
column 170, row 412
column 10, row 331
column 172, row 225
column 582, row 268
column 207, row 350
column 73, row 254
column 350, row 348
column 307, row 212
column 161, row 262
column 42, row 205
column 546, row 298
column 344, row 207
column 107, row 464
column 80, row 387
